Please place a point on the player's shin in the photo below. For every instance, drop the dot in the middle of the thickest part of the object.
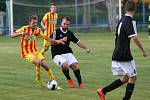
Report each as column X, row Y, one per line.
column 115, row 84
column 78, row 76
column 66, row 73
column 129, row 91
column 50, row 74
column 38, row 75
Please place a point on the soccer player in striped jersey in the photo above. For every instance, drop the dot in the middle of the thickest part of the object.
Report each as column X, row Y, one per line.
column 29, row 33
column 49, row 22
column 123, row 64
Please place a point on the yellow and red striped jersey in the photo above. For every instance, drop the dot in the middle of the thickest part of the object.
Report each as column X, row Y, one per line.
column 28, row 41
column 49, row 21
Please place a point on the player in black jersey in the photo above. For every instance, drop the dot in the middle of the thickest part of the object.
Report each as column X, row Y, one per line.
column 123, row 64
column 62, row 55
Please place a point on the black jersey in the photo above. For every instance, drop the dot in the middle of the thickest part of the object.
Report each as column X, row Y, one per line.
column 59, row 48
column 126, row 28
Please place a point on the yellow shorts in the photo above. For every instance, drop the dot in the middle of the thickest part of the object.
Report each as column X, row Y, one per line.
column 46, row 43
column 30, row 56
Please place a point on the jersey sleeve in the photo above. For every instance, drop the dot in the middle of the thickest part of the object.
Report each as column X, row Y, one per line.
column 74, row 39
column 131, row 28
column 40, row 34
column 44, row 19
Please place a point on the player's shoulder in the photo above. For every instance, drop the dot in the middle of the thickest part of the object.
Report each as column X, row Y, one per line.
column 25, row 26
column 128, row 18
column 69, row 31
column 58, row 30
column 47, row 13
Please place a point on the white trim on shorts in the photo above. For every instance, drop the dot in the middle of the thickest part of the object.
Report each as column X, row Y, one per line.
column 124, row 68
column 64, row 58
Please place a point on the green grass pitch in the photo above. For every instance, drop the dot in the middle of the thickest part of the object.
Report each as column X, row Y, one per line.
column 17, row 76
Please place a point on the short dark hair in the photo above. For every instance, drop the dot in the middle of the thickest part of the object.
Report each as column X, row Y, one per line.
column 130, row 6
column 66, row 18
column 53, row 4
column 33, row 17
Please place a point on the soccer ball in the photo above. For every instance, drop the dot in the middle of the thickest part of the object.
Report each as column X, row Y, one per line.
column 52, row 85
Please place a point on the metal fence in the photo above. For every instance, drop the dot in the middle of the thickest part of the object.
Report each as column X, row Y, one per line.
column 86, row 15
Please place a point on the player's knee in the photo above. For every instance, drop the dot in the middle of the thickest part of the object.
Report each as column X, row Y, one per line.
column 44, row 65
column 64, row 66
column 37, row 61
column 124, row 79
column 46, row 68
column 74, row 66
column 132, row 79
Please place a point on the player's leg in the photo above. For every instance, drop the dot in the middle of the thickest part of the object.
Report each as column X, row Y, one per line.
column 129, row 88
column 115, row 84
column 45, row 66
column 45, row 48
column 60, row 61
column 65, row 70
column 117, row 69
column 132, row 79
column 73, row 64
column 77, row 74
column 34, row 60
column 37, row 62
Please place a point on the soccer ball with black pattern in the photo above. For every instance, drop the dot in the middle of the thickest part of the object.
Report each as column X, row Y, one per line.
column 52, row 85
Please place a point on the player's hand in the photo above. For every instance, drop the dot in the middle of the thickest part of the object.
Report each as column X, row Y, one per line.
column 64, row 39
column 60, row 42
column 145, row 54
column 88, row 50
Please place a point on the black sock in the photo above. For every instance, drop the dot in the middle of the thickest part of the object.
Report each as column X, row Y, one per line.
column 66, row 73
column 112, row 86
column 129, row 91
column 78, row 75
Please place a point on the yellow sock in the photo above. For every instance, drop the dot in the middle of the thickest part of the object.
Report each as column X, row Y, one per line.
column 38, row 75
column 50, row 74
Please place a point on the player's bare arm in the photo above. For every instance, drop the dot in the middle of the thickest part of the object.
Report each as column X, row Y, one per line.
column 139, row 44
column 43, row 25
column 15, row 34
column 55, row 42
column 81, row 45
